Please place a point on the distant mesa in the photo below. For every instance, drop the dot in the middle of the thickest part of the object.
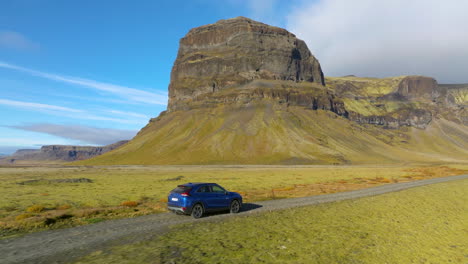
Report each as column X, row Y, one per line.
column 57, row 154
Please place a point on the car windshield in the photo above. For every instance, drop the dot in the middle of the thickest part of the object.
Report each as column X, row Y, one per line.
column 181, row 189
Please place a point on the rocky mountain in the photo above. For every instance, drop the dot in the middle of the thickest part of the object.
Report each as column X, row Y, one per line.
column 58, row 153
column 243, row 92
column 395, row 102
column 234, row 52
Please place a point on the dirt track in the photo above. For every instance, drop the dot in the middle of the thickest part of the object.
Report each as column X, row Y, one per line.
column 66, row 245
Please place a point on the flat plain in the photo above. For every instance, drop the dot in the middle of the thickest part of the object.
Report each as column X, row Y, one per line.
column 421, row 225
column 40, row 198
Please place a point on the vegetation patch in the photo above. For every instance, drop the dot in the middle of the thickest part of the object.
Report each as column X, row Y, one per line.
column 37, row 208
column 94, row 220
column 129, row 203
column 421, row 225
column 43, row 181
column 178, row 178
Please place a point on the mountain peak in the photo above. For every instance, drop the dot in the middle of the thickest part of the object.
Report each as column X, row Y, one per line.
column 234, row 52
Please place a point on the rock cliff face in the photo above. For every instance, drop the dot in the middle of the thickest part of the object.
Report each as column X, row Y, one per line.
column 418, row 87
column 412, row 101
column 286, row 93
column 59, row 153
column 236, row 51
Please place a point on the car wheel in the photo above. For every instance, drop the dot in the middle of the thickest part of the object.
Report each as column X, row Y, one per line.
column 235, row 207
column 197, row 211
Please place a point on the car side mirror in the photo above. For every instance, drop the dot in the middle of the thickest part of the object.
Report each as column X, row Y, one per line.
column 226, row 193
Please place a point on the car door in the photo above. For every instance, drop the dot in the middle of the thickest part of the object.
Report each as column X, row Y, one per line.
column 221, row 200
column 207, row 197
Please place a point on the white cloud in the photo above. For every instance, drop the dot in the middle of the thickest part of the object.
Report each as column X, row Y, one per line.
column 265, row 11
column 262, row 9
column 15, row 40
column 386, row 38
column 127, row 93
column 85, row 134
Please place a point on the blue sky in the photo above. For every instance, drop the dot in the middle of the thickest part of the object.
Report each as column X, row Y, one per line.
column 94, row 72
column 69, row 67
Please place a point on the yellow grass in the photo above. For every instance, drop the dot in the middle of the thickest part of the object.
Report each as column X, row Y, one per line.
column 114, row 189
column 422, row 225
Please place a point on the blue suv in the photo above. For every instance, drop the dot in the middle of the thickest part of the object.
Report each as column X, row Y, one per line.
column 197, row 198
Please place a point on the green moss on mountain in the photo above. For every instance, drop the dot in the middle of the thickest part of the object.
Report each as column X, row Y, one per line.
column 269, row 133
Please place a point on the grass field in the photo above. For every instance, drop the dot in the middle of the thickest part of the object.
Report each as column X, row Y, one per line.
column 40, row 198
column 422, row 225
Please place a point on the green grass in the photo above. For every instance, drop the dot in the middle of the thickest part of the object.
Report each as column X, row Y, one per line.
column 460, row 95
column 422, row 225
column 72, row 204
column 372, row 87
column 265, row 133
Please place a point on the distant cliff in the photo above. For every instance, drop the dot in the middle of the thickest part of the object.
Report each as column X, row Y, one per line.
column 58, row 153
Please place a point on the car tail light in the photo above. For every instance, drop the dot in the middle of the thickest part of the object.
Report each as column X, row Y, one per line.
column 186, row 193
column 183, row 208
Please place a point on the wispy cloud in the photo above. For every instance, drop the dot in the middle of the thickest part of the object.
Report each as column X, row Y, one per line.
column 11, row 142
column 37, row 106
column 127, row 93
column 129, row 114
column 86, row 134
column 15, row 40
column 76, row 113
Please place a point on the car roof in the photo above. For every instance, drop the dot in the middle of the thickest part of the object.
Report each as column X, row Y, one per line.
column 193, row 184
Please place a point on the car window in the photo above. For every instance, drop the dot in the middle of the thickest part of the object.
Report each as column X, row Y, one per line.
column 217, row 189
column 204, row 189
column 181, row 189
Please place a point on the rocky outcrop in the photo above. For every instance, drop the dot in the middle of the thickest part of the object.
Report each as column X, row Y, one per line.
column 234, row 52
column 60, row 153
column 279, row 92
column 420, row 88
column 418, row 118
column 457, row 94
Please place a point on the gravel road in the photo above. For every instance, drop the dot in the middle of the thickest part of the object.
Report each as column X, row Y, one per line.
column 67, row 245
